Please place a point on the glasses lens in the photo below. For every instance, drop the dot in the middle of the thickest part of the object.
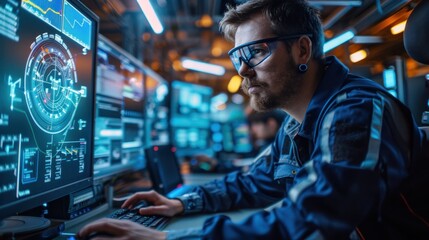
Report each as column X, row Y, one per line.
column 236, row 59
column 256, row 53
column 252, row 55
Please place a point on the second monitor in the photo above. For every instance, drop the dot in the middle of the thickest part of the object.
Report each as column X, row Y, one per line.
column 119, row 118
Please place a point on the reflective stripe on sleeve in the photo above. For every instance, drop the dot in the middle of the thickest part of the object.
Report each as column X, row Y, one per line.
column 371, row 158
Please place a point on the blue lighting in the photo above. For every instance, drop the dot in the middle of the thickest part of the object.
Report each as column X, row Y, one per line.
column 389, row 78
column 337, row 41
column 203, row 67
column 151, row 16
column 393, row 92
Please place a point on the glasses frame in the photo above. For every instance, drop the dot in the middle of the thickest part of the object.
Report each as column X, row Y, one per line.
column 264, row 40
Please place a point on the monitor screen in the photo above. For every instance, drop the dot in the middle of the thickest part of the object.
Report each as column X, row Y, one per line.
column 119, row 119
column 241, row 136
column 390, row 80
column 46, row 101
column 190, row 117
column 157, row 109
column 221, row 137
column 231, row 137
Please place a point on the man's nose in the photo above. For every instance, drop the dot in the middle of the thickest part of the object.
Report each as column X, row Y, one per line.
column 245, row 70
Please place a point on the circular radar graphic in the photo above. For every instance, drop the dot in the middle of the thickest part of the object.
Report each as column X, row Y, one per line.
column 50, row 78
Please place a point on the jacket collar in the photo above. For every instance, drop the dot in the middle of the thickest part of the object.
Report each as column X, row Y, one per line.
column 334, row 77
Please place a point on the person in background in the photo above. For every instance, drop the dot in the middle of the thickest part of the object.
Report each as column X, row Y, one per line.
column 347, row 163
column 263, row 128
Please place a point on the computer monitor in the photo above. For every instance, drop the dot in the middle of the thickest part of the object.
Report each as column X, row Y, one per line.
column 231, row 140
column 241, row 136
column 390, row 80
column 190, row 118
column 222, row 137
column 119, row 117
column 157, row 109
column 47, row 77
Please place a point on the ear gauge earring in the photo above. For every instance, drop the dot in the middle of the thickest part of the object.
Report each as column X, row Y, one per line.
column 302, row 68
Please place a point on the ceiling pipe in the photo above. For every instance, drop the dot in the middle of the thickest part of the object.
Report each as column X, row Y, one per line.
column 373, row 15
column 355, row 3
column 335, row 17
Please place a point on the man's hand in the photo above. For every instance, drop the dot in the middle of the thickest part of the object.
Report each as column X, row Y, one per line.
column 120, row 229
column 160, row 204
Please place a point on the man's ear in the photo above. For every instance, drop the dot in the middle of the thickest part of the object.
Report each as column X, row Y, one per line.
column 302, row 50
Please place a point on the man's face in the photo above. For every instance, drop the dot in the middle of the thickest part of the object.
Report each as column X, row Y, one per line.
column 275, row 82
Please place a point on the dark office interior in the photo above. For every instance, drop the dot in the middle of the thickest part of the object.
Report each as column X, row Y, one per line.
column 97, row 103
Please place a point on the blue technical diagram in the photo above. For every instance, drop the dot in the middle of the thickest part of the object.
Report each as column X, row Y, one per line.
column 61, row 153
column 13, row 85
column 49, row 84
column 9, row 20
column 77, row 26
column 8, row 147
column 30, row 165
column 4, row 120
column 49, row 11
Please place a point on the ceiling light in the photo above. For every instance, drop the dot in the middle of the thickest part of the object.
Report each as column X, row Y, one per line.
column 366, row 39
column 337, row 41
column 150, row 15
column 234, row 84
column 205, row 21
column 203, row 67
column 177, row 65
column 398, row 28
column 217, row 51
column 355, row 3
column 358, row 56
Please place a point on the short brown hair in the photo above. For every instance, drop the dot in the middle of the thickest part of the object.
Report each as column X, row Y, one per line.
column 286, row 16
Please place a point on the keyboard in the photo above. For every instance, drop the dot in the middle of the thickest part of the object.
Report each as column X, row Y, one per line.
column 152, row 221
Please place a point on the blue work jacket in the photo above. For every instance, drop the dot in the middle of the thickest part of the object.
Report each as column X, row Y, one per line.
column 353, row 169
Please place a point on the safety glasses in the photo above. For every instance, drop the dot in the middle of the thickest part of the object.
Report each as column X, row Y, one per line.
column 255, row 52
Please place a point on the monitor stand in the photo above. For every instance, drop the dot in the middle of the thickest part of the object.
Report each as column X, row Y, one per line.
column 22, row 224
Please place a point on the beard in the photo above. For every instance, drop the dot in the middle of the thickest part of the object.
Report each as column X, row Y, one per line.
column 279, row 93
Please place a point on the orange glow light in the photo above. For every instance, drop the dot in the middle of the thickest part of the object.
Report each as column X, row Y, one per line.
column 234, row 84
column 358, row 56
column 398, row 28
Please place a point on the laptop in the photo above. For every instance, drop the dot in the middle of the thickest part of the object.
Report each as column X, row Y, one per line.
column 164, row 171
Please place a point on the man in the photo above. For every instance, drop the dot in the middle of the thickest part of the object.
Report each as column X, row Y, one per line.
column 348, row 162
